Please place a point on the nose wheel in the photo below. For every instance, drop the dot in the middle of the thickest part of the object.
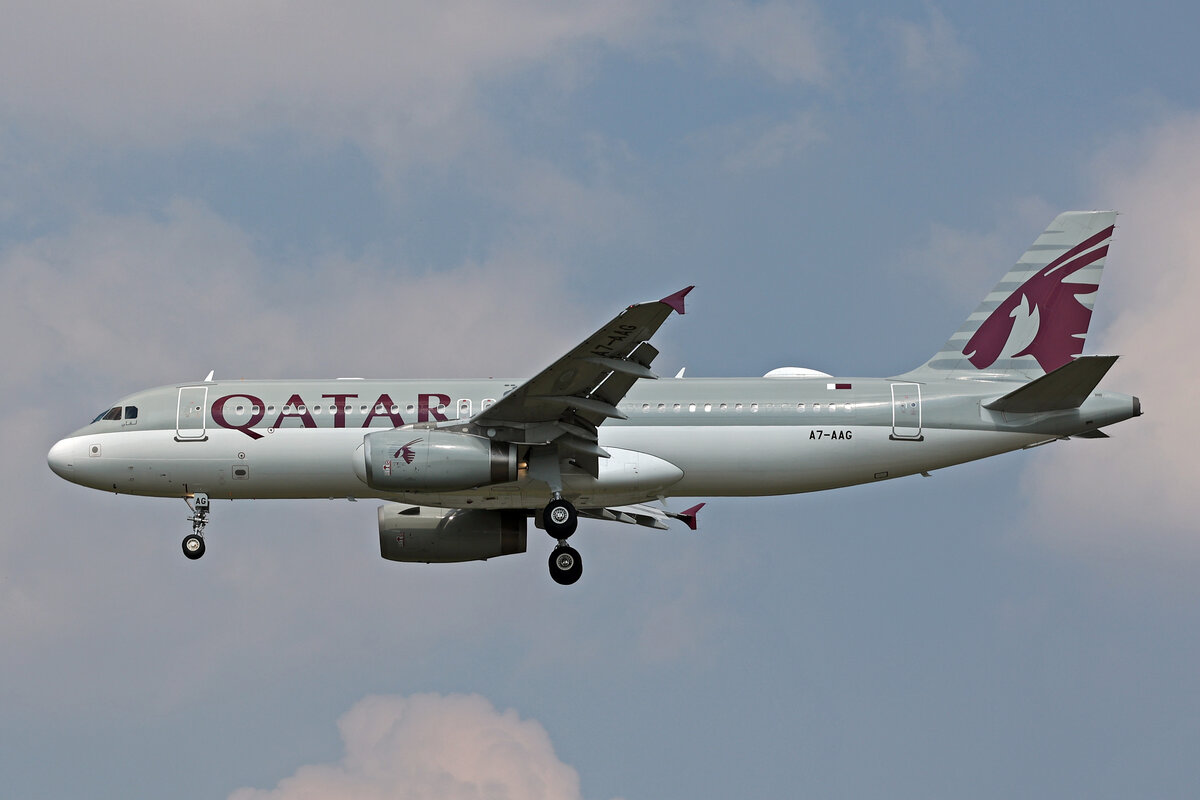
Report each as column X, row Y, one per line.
column 193, row 546
column 193, row 543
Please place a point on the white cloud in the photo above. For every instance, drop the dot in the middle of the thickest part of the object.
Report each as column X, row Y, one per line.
column 403, row 81
column 787, row 40
column 454, row 747
column 120, row 303
column 929, row 54
column 1134, row 496
column 967, row 264
column 188, row 292
column 750, row 147
column 393, row 77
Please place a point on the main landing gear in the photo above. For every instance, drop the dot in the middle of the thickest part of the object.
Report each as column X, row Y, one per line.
column 560, row 519
column 193, row 543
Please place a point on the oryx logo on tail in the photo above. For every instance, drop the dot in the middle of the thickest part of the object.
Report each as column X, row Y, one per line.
column 1044, row 317
column 406, row 452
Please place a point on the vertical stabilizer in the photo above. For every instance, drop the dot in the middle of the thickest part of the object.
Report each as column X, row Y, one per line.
column 1035, row 320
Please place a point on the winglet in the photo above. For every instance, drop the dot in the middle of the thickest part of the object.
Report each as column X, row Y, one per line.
column 675, row 301
column 689, row 516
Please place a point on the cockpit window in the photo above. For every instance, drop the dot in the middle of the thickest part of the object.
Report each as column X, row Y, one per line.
column 113, row 413
column 130, row 412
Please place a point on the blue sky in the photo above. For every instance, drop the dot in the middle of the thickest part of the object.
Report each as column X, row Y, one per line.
column 293, row 190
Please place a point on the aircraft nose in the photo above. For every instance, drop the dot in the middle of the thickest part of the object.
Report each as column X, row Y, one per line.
column 61, row 458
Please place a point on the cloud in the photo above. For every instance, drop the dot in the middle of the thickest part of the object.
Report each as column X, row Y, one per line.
column 394, row 77
column 1133, row 497
column 787, row 40
column 187, row 292
column 967, row 264
column 408, row 83
column 753, row 145
column 453, row 747
column 117, row 303
column 929, row 54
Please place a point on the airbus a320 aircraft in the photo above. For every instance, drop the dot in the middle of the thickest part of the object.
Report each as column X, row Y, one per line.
column 465, row 464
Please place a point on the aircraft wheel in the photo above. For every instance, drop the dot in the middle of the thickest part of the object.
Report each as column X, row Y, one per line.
column 193, row 546
column 565, row 565
column 559, row 518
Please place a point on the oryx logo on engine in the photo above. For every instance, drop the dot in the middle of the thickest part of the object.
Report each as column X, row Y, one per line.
column 406, row 452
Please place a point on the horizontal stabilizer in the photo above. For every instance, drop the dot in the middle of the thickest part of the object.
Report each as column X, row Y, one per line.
column 1066, row 387
column 1093, row 434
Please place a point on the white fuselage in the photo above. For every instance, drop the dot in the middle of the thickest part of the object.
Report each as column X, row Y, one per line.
column 681, row 437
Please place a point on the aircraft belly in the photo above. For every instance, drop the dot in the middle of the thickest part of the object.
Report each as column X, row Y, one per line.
column 758, row 460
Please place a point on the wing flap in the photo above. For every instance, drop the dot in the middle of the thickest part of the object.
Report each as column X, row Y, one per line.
column 645, row 515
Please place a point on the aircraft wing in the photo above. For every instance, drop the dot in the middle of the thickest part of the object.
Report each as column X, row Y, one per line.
column 567, row 402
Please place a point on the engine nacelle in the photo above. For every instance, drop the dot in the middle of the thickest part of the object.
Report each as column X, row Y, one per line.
column 430, row 460
column 442, row 535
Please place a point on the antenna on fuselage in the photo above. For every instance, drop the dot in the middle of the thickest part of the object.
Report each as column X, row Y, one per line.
column 211, row 372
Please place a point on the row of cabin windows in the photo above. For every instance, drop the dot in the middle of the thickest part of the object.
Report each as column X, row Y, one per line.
column 737, row 407
column 117, row 413
column 464, row 407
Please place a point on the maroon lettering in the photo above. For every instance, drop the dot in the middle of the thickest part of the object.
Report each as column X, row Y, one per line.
column 339, row 408
column 294, row 408
column 390, row 410
column 256, row 414
column 425, row 412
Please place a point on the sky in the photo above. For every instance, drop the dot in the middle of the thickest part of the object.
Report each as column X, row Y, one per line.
column 458, row 189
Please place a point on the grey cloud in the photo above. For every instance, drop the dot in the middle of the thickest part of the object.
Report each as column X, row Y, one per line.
column 929, row 54
column 401, row 80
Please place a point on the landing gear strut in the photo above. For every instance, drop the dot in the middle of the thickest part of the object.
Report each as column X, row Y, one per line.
column 560, row 519
column 193, row 543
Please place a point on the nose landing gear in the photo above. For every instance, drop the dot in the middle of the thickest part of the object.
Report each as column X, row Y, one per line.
column 193, row 543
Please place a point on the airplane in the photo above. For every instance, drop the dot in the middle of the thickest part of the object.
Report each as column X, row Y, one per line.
column 464, row 465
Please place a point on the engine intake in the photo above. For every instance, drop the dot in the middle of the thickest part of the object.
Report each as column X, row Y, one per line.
column 442, row 536
column 429, row 460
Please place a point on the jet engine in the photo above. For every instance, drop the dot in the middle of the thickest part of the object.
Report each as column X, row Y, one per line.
column 441, row 535
column 430, row 460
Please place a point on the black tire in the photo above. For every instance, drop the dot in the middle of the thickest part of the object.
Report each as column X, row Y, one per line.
column 193, row 546
column 565, row 565
column 559, row 518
